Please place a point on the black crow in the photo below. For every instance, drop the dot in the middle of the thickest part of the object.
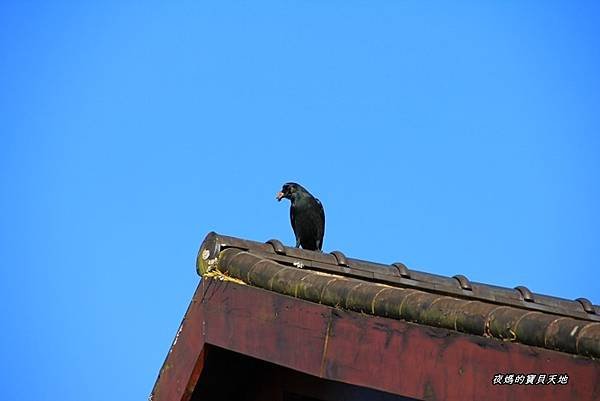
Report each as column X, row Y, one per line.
column 307, row 216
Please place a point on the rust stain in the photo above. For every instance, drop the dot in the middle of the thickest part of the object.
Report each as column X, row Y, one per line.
column 429, row 393
column 323, row 358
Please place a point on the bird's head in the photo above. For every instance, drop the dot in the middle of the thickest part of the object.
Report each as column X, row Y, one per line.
column 289, row 191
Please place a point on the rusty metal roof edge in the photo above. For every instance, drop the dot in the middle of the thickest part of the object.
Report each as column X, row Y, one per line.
column 398, row 275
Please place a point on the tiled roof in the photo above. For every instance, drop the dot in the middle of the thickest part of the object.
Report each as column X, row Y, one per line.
column 398, row 292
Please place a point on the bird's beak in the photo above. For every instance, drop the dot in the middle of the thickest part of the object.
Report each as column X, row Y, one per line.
column 279, row 196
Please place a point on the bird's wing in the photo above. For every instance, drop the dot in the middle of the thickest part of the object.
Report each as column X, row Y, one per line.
column 292, row 218
column 321, row 211
column 321, row 227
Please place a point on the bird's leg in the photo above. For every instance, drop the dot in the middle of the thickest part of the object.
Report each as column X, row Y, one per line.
column 297, row 243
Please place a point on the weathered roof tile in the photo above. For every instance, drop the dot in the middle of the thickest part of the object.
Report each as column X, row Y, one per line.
column 395, row 291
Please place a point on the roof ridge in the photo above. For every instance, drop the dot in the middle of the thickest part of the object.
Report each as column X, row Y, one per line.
column 503, row 322
column 399, row 275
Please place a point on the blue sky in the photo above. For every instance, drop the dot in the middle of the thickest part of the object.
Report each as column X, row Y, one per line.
column 455, row 137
